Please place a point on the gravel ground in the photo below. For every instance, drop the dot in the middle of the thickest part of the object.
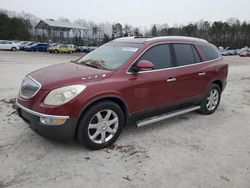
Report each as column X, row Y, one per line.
column 191, row 150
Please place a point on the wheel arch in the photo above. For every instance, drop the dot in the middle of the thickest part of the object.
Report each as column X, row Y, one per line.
column 116, row 99
column 219, row 83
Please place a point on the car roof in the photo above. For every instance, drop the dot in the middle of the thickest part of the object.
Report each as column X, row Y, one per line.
column 143, row 40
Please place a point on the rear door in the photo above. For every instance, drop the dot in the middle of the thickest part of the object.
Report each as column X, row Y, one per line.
column 39, row 47
column 153, row 89
column 44, row 47
column 2, row 43
column 190, row 76
column 64, row 48
column 9, row 45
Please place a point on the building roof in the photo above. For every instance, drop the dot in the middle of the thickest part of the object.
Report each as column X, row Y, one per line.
column 57, row 25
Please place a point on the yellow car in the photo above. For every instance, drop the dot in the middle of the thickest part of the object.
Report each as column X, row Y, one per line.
column 62, row 48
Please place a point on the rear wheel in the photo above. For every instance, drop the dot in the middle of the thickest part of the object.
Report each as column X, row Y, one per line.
column 101, row 125
column 211, row 100
column 13, row 49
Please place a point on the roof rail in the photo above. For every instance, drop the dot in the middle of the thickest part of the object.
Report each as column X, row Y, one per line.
column 124, row 38
column 177, row 37
column 139, row 37
column 133, row 37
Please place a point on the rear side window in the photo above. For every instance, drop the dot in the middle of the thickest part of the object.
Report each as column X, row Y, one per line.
column 184, row 54
column 159, row 55
column 209, row 52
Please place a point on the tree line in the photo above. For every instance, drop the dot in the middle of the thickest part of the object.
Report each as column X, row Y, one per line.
column 231, row 33
column 14, row 28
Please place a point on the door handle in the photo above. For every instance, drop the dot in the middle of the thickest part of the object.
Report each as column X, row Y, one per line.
column 171, row 79
column 201, row 74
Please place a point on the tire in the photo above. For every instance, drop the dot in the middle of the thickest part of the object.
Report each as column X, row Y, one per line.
column 94, row 131
column 13, row 49
column 33, row 50
column 211, row 100
column 56, row 51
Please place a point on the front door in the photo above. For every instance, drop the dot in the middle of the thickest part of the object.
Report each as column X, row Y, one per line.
column 154, row 89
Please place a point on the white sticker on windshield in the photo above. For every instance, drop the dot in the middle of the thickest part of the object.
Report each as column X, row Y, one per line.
column 129, row 49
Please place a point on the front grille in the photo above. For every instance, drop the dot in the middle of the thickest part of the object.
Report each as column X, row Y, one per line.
column 29, row 87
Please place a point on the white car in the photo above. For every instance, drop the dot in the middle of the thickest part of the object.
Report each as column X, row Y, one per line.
column 9, row 45
column 227, row 51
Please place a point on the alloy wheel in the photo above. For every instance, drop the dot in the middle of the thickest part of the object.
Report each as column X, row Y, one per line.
column 212, row 99
column 103, row 126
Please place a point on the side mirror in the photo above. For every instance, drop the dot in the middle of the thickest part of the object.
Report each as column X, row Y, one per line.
column 144, row 65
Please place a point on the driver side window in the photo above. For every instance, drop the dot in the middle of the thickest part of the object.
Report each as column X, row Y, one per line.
column 159, row 55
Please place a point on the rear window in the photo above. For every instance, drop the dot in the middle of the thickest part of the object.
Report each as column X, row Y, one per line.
column 209, row 52
column 184, row 54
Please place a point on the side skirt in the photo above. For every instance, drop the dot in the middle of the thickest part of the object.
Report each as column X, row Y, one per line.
column 165, row 116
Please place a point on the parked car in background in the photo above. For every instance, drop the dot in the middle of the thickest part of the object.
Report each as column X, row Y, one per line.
column 239, row 51
column 144, row 80
column 245, row 54
column 27, row 44
column 220, row 48
column 9, row 45
column 227, row 51
column 20, row 42
column 37, row 47
column 62, row 48
column 78, row 49
column 83, row 48
column 90, row 48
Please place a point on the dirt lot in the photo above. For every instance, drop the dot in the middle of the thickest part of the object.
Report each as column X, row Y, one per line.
column 187, row 151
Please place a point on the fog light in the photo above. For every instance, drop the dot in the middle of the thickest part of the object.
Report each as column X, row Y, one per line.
column 52, row 120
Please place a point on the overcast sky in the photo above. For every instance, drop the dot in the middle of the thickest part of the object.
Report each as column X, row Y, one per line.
column 135, row 12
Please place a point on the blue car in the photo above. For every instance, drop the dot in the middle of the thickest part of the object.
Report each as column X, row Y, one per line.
column 89, row 49
column 27, row 44
column 39, row 47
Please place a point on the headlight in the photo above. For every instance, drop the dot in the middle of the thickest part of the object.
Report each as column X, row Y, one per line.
column 62, row 95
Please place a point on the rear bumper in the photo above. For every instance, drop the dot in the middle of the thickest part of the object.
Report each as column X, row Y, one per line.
column 64, row 132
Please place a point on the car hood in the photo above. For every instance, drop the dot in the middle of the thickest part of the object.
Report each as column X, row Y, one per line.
column 65, row 74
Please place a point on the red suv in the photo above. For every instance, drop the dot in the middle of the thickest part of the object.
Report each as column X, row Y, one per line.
column 141, row 79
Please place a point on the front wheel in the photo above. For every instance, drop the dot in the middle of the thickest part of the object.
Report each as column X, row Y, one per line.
column 211, row 100
column 101, row 125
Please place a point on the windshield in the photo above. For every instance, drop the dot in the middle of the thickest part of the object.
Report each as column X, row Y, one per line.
column 110, row 56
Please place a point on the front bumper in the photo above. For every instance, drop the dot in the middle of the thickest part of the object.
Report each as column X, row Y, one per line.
column 63, row 132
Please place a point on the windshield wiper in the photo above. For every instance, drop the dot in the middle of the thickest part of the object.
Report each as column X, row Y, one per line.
column 94, row 66
column 99, row 64
column 90, row 60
